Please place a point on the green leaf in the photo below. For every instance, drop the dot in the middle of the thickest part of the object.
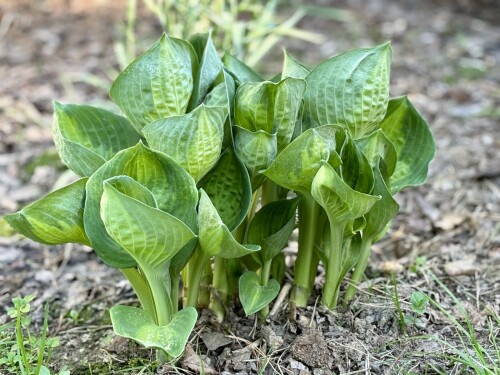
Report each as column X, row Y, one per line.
column 158, row 83
column 340, row 202
column 293, row 68
column 257, row 150
column 380, row 152
column 214, row 236
column 173, row 188
column 295, row 167
column 418, row 302
column 210, row 67
column 254, row 296
column 405, row 127
column 55, row 219
column 355, row 169
column 268, row 106
column 239, row 70
column 86, row 136
column 139, row 325
column 193, row 140
column 272, row 226
column 152, row 237
column 229, row 189
column 383, row 211
column 351, row 90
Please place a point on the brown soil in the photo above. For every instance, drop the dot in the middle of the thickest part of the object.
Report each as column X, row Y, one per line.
column 446, row 57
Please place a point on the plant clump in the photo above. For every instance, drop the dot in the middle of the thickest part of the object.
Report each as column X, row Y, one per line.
column 201, row 179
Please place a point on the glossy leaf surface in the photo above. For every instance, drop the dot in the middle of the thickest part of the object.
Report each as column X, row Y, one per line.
column 54, row 219
column 86, row 137
column 193, row 140
column 158, row 83
column 254, row 296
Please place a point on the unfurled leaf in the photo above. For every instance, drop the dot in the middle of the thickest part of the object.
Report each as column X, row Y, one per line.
column 257, row 150
column 86, row 137
column 139, row 325
column 293, row 68
column 405, row 127
column 229, row 189
column 193, row 140
column 209, row 69
column 214, row 236
column 173, row 188
column 239, row 70
column 295, row 167
column 151, row 236
column 272, row 226
column 55, row 219
column 158, row 83
column 351, row 90
column 340, row 202
column 254, row 296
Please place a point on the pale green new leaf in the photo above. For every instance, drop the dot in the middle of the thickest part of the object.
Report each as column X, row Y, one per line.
column 405, row 127
column 293, row 68
column 351, row 90
column 139, row 325
column 86, row 137
column 239, row 70
column 209, row 69
column 272, row 226
column 193, row 140
column 228, row 186
column 173, row 188
column 257, row 150
column 158, row 83
column 254, row 296
column 295, row 167
column 54, row 219
column 214, row 236
column 151, row 236
column 340, row 202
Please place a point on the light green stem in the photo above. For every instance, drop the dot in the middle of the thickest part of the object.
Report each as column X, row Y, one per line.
column 264, row 279
column 196, row 268
column 308, row 217
column 334, row 266
column 141, row 289
column 270, row 192
column 174, row 293
column 220, row 286
column 23, row 363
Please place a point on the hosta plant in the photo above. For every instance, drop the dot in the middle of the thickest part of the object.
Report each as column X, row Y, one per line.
column 194, row 189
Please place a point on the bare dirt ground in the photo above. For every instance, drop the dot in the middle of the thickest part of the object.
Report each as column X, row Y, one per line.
column 446, row 57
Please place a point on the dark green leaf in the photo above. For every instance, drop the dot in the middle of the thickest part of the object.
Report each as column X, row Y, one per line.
column 54, row 219
column 272, row 226
column 380, row 152
column 351, row 90
column 158, row 83
column 86, row 137
column 412, row 138
column 229, row 189
column 193, row 140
